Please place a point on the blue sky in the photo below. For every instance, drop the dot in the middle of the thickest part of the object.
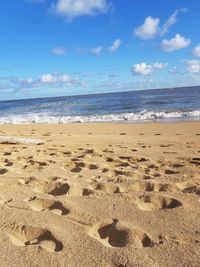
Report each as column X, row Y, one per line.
column 69, row 47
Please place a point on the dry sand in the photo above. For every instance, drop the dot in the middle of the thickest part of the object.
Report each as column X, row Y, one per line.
column 101, row 195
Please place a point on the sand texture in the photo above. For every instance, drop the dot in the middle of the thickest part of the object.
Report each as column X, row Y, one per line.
column 101, row 195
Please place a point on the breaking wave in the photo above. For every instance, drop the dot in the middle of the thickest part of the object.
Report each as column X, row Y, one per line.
column 143, row 116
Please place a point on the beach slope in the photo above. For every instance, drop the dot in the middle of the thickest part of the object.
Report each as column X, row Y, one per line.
column 100, row 195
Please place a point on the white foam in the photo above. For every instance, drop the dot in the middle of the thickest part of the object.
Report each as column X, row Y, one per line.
column 122, row 117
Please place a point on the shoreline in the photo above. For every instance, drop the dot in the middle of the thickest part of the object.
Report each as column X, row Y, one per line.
column 101, row 125
column 110, row 122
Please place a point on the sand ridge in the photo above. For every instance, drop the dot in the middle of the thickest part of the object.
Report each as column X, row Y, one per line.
column 101, row 195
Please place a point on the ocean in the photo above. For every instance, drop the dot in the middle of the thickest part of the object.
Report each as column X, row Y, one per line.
column 175, row 104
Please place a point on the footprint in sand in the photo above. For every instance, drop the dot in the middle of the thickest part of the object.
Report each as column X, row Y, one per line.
column 55, row 188
column 7, row 153
column 167, row 145
column 115, row 235
column 148, row 186
column 189, row 187
column 151, row 202
column 28, row 235
column 67, row 153
column 78, row 166
column 34, row 165
column 195, row 161
column 124, row 164
column 39, row 204
column 93, row 167
column 108, row 188
column 177, row 165
column 8, row 163
column 125, row 158
column 169, row 171
column 89, row 151
column 76, row 169
column 121, row 172
column 3, row 170
column 134, row 150
column 80, row 191
column 109, row 159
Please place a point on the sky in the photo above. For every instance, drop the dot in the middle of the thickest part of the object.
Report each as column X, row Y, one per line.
column 75, row 47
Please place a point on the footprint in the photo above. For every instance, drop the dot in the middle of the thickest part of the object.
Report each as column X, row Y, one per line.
column 8, row 163
column 171, row 172
column 39, row 204
column 149, row 186
column 125, row 157
column 67, row 153
column 76, row 169
column 124, row 164
column 80, row 164
column 89, row 151
column 104, row 170
column 108, row 188
column 79, row 191
column 115, row 235
column 33, row 164
column 177, row 165
column 151, row 202
column 52, row 154
column 93, row 167
column 111, row 235
column 195, row 161
column 7, row 153
column 142, row 160
column 55, row 188
column 109, row 159
column 3, row 170
column 189, row 187
column 28, row 235
column 119, row 172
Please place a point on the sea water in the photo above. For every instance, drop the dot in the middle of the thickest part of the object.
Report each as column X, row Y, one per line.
column 135, row 106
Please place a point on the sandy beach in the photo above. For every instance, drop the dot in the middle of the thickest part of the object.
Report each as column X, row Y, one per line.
column 101, row 195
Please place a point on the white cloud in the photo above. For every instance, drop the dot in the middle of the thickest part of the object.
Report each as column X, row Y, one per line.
column 152, row 28
column 149, row 29
column 146, row 69
column 171, row 20
column 75, row 8
column 175, row 43
column 173, row 71
column 97, row 50
column 193, row 66
column 196, row 51
column 29, row 80
column 54, row 78
column 116, row 44
column 142, row 69
column 158, row 65
column 60, row 51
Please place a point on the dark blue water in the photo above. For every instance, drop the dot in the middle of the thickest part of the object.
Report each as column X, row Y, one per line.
column 150, row 105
